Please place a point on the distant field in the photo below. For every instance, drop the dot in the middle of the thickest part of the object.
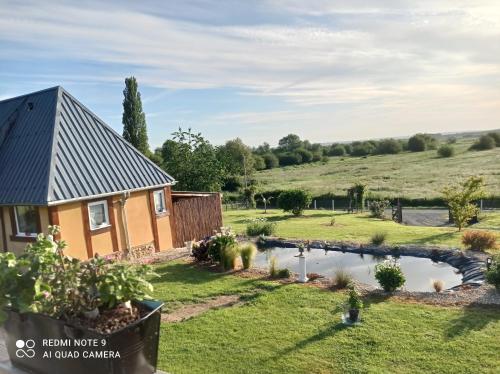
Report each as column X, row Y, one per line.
column 412, row 175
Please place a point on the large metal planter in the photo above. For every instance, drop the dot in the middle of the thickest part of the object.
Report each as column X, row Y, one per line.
column 83, row 351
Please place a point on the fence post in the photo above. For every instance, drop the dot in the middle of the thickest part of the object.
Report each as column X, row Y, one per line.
column 333, row 204
column 315, row 204
column 481, row 208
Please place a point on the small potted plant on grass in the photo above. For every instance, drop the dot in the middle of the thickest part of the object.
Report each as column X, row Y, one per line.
column 62, row 315
column 354, row 303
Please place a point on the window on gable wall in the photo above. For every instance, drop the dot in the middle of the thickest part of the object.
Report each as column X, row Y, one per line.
column 159, row 200
column 98, row 215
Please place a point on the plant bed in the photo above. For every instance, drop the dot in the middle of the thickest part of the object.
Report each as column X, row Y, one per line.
column 63, row 348
column 62, row 315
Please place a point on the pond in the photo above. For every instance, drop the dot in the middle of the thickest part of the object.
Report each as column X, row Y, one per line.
column 419, row 272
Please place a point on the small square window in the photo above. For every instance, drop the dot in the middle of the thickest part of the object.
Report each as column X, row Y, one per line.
column 159, row 199
column 26, row 221
column 98, row 215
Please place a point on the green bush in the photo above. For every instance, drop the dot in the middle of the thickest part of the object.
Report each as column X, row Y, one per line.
column 493, row 273
column 307, row 156
column 446, row 150
column 484, row 142
column 389, row 275
column 378, row 207
column 247, row 253
column 283, row 273
column 378, row 238
column 260, row 226
column 275, row 272
column 496, row 137
column 219, row 242
column 271, row 160
column 389, row 147
column 286, row 159
column 337, row 150
column 354, row 301
column 294, row 201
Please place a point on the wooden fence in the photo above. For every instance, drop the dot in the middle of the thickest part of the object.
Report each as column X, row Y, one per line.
column 197, row 215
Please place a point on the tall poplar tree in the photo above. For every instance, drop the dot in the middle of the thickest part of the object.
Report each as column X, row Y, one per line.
column 134, row 119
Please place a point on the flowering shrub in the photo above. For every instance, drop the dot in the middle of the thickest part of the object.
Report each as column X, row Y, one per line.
column 260, row 226
column 43, row 280
column 389, row 275
column 378, row 207
column 479, row 240
column 493, row 273
column 219, row 242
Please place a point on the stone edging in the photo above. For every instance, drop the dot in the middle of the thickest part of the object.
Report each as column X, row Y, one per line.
column 470, row 264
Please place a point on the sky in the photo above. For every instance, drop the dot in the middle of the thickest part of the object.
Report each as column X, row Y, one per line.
column 326, row 70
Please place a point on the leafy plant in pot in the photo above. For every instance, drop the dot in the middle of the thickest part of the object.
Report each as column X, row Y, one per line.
column 354, row 303
column 47, row 295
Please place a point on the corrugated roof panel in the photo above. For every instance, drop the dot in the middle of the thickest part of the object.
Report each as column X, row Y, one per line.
column 61, row 151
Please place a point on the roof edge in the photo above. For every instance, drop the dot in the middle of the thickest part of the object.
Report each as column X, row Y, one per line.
column 54, row 140
column 92, row 197
column 30, row 94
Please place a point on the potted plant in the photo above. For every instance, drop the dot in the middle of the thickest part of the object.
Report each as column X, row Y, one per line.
column 354, row 303
column 62, row 315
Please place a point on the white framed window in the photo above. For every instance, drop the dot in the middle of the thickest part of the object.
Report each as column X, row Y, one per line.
column 26, row 221
column 159, row 200
column 98, row 214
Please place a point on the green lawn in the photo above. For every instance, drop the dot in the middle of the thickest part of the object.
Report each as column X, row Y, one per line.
column 412, row 175
column 296, row 329
column 315, row 224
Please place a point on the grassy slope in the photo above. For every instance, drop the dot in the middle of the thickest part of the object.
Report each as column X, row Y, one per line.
column 413, row 175
column 353, row 227
column 296, row 329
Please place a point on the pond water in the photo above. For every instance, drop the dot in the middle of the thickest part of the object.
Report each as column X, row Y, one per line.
column 419, row 272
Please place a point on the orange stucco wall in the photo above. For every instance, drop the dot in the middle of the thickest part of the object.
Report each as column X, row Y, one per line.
column 18, row 246
column 139, row 219
column 71, row 220
column 71, row 223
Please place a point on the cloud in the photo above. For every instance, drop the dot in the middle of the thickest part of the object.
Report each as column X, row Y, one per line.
column 402, row 55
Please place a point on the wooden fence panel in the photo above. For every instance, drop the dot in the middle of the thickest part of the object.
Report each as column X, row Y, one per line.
column 196, row 216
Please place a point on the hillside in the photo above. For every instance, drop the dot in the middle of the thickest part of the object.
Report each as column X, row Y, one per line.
column 412, row 175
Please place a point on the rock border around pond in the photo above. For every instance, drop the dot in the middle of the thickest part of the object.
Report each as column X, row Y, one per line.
column 471, row 265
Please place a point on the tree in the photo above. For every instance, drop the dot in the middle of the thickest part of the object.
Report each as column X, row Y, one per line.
column 307, row 156
column 460, row 199
column 290, row 142
column 485, row 142
column 294, row 201
column 337, row 150
column 417, row 143
column 193, row 161
column 496, row 137
column 134, row 119
column 237, row 158
column 271, row 160
column 389, row 147
column 259, row 162
column 446, row 150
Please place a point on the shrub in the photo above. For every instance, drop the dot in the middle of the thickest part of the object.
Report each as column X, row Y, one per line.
column 479, row 240
column 378, row 238
column 389, row 147
column 342, row 279
column 362, row 149
column 484, row 142
column 446, row 150
column 200, row 250
column 307, row 156
column 496, row 137
column 417, row 143
column 378, row 207
column 229, row 254
column 247, row 253
column 438, row 285
column 493, row 273
column 271, row 160
column 294, row 201
column 337, row 150
column 283, row 273
column 389, row 275
column 286, row 159
column 260, row 226
column 219, row 242
column 258, row 162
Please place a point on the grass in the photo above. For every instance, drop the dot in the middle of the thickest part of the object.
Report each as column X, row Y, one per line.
column 315, row 224
column 296, row 329
column 412, row 175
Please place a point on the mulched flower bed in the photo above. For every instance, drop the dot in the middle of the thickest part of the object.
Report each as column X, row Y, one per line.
column 111, row 320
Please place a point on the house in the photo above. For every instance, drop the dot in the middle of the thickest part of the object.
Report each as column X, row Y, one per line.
column 61, row 165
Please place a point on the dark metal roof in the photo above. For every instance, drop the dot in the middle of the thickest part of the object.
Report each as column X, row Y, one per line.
column 53, row 149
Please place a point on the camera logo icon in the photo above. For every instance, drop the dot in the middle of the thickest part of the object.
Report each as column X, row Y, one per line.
column 25, row 348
